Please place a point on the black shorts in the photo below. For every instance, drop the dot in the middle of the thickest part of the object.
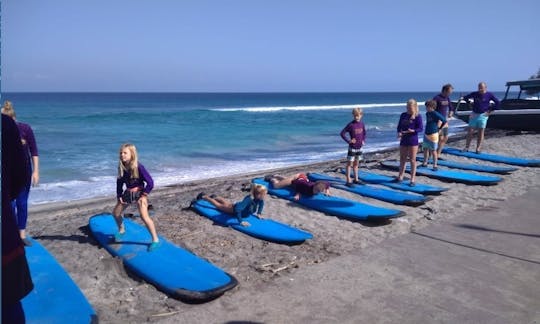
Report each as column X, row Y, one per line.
column 131, row 196
column 354, row 154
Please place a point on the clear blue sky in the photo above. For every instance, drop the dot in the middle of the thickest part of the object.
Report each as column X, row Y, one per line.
column 246, row 46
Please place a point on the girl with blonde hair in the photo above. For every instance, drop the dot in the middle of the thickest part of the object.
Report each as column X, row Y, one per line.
column 20, row 203
column 251, row 204
column 138, row 184
column 409, row 125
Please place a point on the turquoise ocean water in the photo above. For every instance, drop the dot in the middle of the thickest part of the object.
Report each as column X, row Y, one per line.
column 182, row 137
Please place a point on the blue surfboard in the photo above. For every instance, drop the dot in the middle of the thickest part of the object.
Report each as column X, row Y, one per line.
column 392, row 196
column 265, row 229
column 333, row 205
column 171, row 269
column 55, row 297
column 471, row 167
column 448, row 175
column 384, row 180
column 494, row 157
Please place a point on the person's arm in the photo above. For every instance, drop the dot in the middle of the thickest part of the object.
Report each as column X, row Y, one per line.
column 443, row 120
column 119, row 187
column 496, row 101
column 451, row 108
column 398, row 128
column 35, row 171
column 468, row 97
column 418, row 127
column 260, row 208
column 364, row 134
column 344, row 132
column 32, row 147
column 146, row 177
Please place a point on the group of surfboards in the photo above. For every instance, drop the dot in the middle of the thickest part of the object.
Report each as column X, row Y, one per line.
column 183, row 275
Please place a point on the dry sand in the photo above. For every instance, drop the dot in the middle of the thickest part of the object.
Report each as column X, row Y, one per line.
column 120, row 297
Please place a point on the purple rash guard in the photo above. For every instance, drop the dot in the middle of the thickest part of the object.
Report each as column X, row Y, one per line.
column 405, row 123
column 16, row 279
column 481, row 101
column 144, row 177
column 28, row 141
column 444, row 105
column 356, row 130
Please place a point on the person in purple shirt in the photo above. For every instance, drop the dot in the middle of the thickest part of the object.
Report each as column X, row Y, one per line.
column 481, row 110
column 139, row 184
column 20, row 203
column 16, row 279
column 300, row 183
column 356, row 139
column 445, row 108
column 409, row 125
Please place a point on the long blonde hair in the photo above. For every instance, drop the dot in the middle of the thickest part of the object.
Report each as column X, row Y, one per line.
column 7, row 109
column 133, row 165
column 414, row 105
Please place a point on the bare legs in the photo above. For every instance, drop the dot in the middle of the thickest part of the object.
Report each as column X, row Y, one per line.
column 470, row 132
column 407, row 153
column 435, row 158
column 221, row 203
column 413, row 150
column 117, row 213
column 427, row 155
column 354, row 166
column 479, row 139
column 442, row 142
column 281, row 181
column 142, row 204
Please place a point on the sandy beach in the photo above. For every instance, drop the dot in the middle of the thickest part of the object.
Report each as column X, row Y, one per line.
column 119, row 297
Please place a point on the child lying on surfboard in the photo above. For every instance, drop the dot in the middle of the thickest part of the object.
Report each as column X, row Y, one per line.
column 300, row 183
column 251, row 204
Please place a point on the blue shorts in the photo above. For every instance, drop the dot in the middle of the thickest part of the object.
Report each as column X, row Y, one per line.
column 429, row 145
column 478, row 120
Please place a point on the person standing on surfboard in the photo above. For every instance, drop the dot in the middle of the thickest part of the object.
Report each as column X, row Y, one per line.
column 20, row 203
column 480, row 113
column 251, row 204
column 138, row 184
column 357, row 135
column 445, row 108
column 434, row 122
column 409, row 125
column 301, row 184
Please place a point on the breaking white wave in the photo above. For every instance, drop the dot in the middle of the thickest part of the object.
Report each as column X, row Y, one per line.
column 306, row 108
